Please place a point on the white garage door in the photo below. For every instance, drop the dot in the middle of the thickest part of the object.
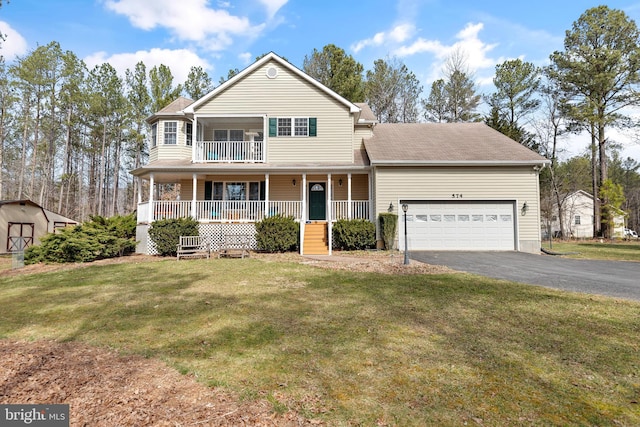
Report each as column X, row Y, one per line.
column 453, row 225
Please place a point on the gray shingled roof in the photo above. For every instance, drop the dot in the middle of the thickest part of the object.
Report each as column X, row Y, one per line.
column 178, row 105
column 366, row 113
column 445, row 143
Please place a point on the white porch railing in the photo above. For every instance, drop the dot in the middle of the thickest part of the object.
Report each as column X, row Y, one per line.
column 171, row 209
column 359, row 209
column 244, row 210
column 229, row 152
column 222, row 210
column 285, row 208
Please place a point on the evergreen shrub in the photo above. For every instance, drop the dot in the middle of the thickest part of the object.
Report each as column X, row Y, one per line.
column 354, row 234
column 277, row 234
column 96, row 239
column 166, row 233
column 388, row 229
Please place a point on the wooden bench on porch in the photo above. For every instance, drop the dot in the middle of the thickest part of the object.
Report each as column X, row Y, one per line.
column 235, row 245
column 193, row 247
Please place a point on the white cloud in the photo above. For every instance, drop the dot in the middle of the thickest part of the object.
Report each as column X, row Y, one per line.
column 14, row 44
column 190, row 20
column 476, row 52
column 179, row 61
column 397, row 34
column 273, row 6
column 245, row 57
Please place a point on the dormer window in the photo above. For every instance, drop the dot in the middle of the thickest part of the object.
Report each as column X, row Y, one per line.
column 170, row 133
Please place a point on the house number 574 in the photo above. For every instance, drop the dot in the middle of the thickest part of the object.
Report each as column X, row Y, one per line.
column 456, row 196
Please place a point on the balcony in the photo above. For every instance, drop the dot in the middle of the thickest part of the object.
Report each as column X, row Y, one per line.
column 229, row 152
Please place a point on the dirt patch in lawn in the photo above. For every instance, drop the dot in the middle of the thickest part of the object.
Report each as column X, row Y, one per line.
column 104, row 388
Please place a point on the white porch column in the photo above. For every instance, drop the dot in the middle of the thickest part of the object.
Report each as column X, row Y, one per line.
column 303, row 205
column 329, row 198
column 349, row 210
column 330, row 211
column 195, row 195
column 139, row 189
column 194, row 139
column 151, row 190
column 303, row 210
column 266, row 195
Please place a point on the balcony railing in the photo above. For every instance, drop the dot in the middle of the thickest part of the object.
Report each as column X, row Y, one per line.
column 243, row 210
column 229, row 152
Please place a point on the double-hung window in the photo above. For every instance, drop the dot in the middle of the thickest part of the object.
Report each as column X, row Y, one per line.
column 293, row 126
column 301, row 127
column 154, row 135
column 170, row 133
column 284, row 126
column 577, row 220
column 189, row 134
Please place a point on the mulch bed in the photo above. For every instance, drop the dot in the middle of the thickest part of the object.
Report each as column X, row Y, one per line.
column 104, row 388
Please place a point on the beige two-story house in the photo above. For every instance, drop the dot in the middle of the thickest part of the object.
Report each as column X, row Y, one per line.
column 273, row 140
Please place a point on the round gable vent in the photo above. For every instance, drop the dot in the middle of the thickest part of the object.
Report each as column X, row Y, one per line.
column 272, row 72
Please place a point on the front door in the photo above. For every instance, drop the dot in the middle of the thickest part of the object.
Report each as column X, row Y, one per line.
column 317, row 201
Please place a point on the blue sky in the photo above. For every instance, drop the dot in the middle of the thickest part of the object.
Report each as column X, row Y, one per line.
column 223, row 34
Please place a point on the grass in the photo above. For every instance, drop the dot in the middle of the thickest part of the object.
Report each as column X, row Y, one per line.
column 594, row 249
column 353, row 348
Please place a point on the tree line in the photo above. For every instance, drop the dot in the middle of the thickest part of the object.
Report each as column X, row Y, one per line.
column 69, row 135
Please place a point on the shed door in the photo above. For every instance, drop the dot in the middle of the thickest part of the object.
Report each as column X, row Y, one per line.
column 482, row 225
column 20, row 236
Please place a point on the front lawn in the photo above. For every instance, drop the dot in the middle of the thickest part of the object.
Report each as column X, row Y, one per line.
column 612, row 250
column 353, row 348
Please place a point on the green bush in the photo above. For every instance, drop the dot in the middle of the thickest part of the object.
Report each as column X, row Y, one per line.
column 354, row 234
column 98, row 238
column 166, row 233
column 277, row 234
column 388, row 229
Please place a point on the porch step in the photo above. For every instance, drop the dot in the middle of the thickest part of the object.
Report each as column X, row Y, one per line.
column 315, row 239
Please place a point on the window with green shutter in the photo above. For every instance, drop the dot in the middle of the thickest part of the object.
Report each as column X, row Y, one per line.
column 293, row 126
column 273, row 126
column 313, row 126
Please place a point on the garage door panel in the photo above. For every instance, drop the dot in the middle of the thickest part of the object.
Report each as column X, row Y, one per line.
column 487, row 225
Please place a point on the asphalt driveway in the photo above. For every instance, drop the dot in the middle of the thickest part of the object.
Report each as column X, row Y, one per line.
column 619, row 279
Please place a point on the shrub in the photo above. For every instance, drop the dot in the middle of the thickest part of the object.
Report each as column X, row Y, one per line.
column 166, row 233
column 277, row 234
column 354, row 234
column 96, row 239
column 388, row 229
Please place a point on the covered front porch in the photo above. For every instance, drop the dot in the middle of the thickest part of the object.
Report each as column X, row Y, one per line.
column 310, row 198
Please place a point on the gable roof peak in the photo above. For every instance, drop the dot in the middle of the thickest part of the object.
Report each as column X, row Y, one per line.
column 271, row 56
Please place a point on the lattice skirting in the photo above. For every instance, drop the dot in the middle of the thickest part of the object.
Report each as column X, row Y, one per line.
column 214, row 232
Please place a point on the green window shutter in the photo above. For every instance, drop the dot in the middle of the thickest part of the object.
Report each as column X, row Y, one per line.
column 313, row 126
column 273, row 126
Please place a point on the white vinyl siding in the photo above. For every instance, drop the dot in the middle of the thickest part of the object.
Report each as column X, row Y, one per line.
column 289, row 96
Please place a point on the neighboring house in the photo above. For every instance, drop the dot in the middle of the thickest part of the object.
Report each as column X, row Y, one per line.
column 577, row 217
column 273, row 140
column 23, row 223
